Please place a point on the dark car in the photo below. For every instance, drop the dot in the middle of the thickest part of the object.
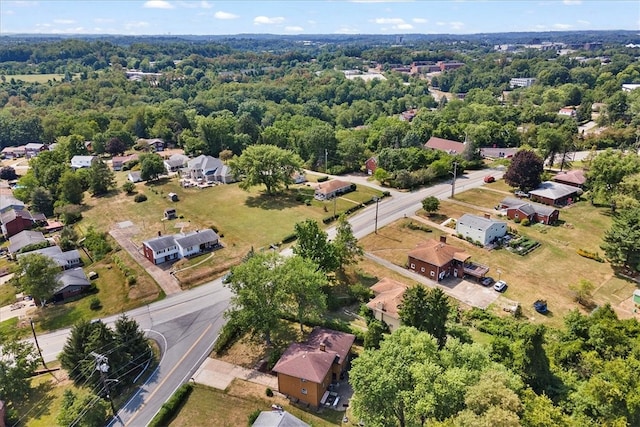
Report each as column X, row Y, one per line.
column 487, row 281
column 541, row 306
column 226, row 278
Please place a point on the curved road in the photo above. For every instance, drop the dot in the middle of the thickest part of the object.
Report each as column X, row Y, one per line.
column 187, row 324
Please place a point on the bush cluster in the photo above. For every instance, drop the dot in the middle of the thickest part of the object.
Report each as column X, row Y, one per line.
column 591, row 255
column 139, row 198
column 170, row 408
column 412, row 226
column 323, row 178
column 128, row 273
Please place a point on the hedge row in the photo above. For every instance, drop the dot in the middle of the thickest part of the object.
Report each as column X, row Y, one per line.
column 591, row 255
column 128, row 273
column 328, row 219
column 171, row 406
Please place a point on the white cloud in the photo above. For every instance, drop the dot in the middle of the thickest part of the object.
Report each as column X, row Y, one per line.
column 562, row 26
column 583, row 22
column 64, row 21
column 258, row 20
column 135, row 25
column 311, row 22
column 195, row 4
column 441, row 24
column 224, row 15
column 347, row 30
column 393, row 21
column 456, row 25
column 23, row 3
column 572, row 2
column 205, row 5
column 103, row 20
column 420, row 20
column 158, row 4
column 7, row 12
column 293, row 29
column 403, row 27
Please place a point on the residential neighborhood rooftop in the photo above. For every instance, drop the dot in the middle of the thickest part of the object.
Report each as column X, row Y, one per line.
column 553, row 190
column 479, row 222
column 438, row 253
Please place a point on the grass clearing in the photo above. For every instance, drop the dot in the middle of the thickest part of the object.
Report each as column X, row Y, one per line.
column 38, row 78
column 545, row 273
column 232, row 407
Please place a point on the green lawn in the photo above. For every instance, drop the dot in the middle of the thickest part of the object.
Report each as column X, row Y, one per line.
column 544, row 273
column 37, row 78
column 207, row 406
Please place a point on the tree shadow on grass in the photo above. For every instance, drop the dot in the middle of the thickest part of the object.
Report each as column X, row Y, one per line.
column 42, row 398
column 279, row 201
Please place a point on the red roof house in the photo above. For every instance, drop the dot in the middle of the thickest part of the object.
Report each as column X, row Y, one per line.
column 451, row 147
column 575, row 178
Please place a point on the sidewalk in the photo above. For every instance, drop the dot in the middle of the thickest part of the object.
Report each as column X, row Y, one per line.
column 218, row 374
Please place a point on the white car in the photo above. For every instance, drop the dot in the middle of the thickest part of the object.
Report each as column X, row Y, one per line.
column 500, row 286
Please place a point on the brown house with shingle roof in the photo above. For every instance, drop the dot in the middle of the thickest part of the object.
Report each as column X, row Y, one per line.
column 575, row 178
column 436, row 259
column 388, row 296
column 305, row 370
column 330, row 189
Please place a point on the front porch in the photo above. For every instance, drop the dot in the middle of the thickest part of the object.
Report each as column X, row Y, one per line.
column 474, row 269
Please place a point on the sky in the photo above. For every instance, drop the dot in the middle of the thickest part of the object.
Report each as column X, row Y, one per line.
column 209, row 17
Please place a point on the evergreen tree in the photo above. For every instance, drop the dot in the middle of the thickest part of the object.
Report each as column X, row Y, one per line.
column 345, row 243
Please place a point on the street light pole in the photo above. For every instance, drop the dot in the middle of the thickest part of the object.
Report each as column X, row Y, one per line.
column 102, row 366
column 377, row 199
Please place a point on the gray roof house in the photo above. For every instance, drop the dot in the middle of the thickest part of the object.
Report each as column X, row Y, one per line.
column 24, row 239
column 480, row 229
column 66, row 260
column 8, row 203
column 555, row 193
column 71, row 282
column 208, row 169
column 168, row 248
column 278, row 418
column 175, row 162
column 518, row 209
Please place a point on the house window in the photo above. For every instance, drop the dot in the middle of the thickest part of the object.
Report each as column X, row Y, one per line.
column 303, row 380
column 303, row 391
column 413, row 266
column 433, row 273
column 422, row 269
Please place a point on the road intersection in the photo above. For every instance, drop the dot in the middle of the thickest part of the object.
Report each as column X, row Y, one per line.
column 186, row 324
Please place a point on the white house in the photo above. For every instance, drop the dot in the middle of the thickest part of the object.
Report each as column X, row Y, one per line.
column 79, row 162
column 480, row 229
column 196, row 242
column 175, row 162
column 168, row 248
column 208, row 169
column 161, row 249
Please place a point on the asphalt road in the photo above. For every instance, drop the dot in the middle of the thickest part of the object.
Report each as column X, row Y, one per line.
column 187, row 324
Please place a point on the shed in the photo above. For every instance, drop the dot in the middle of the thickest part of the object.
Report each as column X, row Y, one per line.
column 170, row 213
column 173, row 197
column 636, row 296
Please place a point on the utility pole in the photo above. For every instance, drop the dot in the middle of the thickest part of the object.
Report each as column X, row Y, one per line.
column 35, row 338
column 326, row 168
column 335, row 198
column 375, row 230
column 453, row 183
column 102, row 366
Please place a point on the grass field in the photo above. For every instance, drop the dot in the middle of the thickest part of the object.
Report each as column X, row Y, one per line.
column 545, row 273
column 243, row 219
column 231, row 408
column 37, row 78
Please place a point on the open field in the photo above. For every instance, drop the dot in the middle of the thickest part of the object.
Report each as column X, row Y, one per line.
column 243, row 219
column 232, row 407
column 37, row 78
column 545, row 273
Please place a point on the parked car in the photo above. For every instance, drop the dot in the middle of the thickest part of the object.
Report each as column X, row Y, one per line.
column 487, row 281
column 541, row 306
column 489, row 179
column 519, row 193
column 226, row 278
column 500, row 286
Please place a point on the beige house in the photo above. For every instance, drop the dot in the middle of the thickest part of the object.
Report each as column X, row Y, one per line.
column 388, row 297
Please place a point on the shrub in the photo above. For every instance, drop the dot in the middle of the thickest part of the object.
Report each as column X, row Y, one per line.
column 139, row 198
column 516, row 220
column 230, row 332
column 526, row 222
column 269, row 392
column 95, row 304
column 253, row 417
column 323, row 178
column 171, row 406
column 591, row 255
column 131, row 280
column 289, row 238
column 129, row 187
column 412, row 226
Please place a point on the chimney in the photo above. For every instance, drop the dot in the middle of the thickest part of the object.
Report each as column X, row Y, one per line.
column 323, row 346
column 487, row 216
column 443, row 238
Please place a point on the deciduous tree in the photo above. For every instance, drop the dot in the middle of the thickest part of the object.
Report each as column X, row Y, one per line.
column 430, row 204
column 621, row 243
column 101, row 178
column 265, row 165
column 151, row 166
column 426, row 310
column 312, row 244
column 347, row 249
column 302, row 282
column 525, row 170
column 37, row 276
column 18, row 363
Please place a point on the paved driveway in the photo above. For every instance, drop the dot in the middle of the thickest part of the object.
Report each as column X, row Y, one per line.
column 123, row 234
